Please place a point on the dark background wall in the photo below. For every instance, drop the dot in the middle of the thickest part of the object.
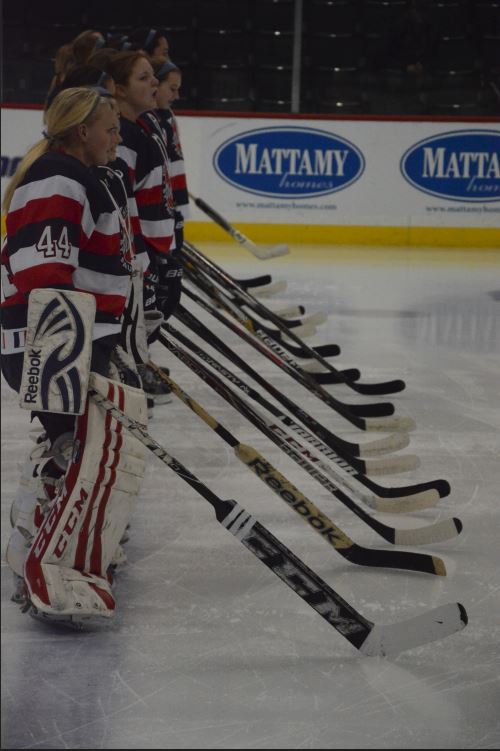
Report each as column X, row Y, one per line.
column 383, row 57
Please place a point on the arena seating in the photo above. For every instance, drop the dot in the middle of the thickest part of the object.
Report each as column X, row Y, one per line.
column 355, row 54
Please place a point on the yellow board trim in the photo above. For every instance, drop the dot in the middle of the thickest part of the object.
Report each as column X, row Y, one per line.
column 434, row 237
column 361, row 255
column 458, row 237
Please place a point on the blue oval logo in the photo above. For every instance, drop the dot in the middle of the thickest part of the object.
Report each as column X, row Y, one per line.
column 288, row 162
column 461, row 165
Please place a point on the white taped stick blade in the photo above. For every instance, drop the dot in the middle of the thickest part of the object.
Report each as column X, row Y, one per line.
column 270, row 289
column 291, row 312
column 266, row 251
column 316, row 319
column 391, row 640
column 304, row 331
column 58, row 350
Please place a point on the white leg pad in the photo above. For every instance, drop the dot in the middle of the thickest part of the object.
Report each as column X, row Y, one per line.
column 75, row 593
column 75, row 545
column 29, row 506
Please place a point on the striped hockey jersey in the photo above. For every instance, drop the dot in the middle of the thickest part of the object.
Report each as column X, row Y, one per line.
column 115, row 177
column 151, row 184
column 164, row 121
column 63, row 230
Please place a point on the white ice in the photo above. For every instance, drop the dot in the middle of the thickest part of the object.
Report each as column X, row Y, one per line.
column 209, row 648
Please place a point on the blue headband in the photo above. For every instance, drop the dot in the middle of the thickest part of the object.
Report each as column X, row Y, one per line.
column 151, row 35
column 165, row 68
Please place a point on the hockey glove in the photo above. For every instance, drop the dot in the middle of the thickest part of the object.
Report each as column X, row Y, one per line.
column 179, row 230
column 150, row 286
column 168, row 292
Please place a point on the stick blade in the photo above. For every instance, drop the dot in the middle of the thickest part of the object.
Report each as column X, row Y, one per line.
column 305, row 331
column 407, row 504
column 290, row 312
column 392, row 465
column 269, row 289
column 394, row 423
column 263, row 252
column 430, row 534
column 391, row 640
column 387, row 445
column 316, row 319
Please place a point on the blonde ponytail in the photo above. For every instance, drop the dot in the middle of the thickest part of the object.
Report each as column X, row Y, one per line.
column 31, row 156
column 70, row 108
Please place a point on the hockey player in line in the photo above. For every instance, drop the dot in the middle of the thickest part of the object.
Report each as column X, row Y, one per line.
column 136, row 87
column 66, row 252
column 169, row 78
column 116, row 180
column 152, row 41
column 158, row 124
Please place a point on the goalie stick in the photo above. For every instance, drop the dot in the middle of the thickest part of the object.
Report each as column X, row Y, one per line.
column 262, row 252
column 302, row 505
column 215, row 272
column 369, row 638
column 417, row 501
column 432, row 533
column 348, row 412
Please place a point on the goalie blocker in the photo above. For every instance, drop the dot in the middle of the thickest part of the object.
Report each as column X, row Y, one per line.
column 58, row 350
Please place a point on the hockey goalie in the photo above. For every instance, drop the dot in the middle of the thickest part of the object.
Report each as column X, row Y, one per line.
column 77, row 490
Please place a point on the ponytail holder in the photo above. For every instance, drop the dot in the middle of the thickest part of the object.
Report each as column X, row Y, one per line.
column 50, row 139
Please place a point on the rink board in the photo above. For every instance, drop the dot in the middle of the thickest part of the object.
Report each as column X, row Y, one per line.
column 328, row 180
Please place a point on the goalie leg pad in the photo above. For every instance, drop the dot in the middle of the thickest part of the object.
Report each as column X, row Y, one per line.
column 66, row 568
column 40, row 478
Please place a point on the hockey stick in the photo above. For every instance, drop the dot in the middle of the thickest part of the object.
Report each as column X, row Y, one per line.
column 200, row 261
column 346, row 449
column 324, row 350
column 301, row 328
column 348, row 412
column 418, row 500
column 262, row 252
column 262, row 288
column 370, row 639
column 315, row 319
column 292, row 310
column 438, row 532
column 255, row 281
column 310, row 380
column 304, row 328
column 270, row 289
column 274, row 339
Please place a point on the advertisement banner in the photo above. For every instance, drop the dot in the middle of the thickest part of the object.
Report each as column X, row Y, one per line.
column 342, row 173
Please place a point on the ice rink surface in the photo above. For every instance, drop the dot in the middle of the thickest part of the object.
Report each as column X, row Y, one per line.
column 209, row 649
